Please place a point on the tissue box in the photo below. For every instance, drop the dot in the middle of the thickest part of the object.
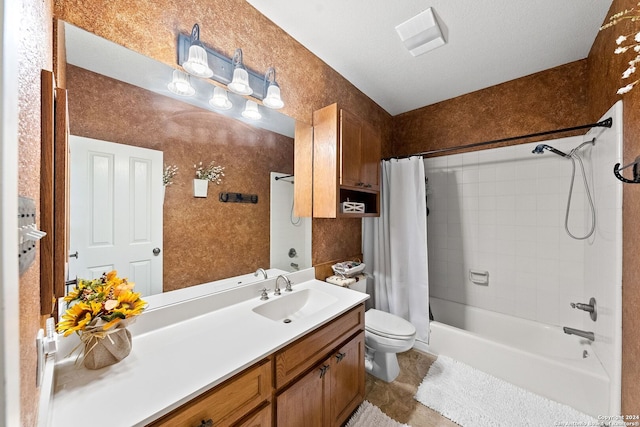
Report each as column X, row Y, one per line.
column 352, row 207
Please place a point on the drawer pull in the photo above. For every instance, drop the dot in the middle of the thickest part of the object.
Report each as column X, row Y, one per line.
column 323, row 370
column 208, row 423
column 340, row 356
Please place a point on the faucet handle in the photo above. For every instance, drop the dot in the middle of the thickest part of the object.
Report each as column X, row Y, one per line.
column 264, row 296
column 591, row 308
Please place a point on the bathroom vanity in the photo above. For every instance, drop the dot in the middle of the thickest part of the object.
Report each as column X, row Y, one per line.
column 230, row 359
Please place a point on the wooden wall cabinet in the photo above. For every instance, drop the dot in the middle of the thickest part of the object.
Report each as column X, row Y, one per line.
column 346, row 163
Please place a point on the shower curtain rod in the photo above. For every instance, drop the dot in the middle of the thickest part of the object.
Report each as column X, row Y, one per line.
column 604, row 123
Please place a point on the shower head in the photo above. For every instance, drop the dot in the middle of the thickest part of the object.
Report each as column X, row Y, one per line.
column 540, row 149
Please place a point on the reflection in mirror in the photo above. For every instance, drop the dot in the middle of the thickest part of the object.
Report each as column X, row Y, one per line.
column 127, row 126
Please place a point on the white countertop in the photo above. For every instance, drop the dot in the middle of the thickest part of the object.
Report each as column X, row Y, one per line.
column 176, row 357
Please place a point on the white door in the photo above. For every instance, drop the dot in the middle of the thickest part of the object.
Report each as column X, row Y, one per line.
column 116, row 212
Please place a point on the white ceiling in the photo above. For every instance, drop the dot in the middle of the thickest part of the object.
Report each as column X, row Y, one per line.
column 489, row 42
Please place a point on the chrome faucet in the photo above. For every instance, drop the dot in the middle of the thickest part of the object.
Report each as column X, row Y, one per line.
column 287, row 282
column 571, row 331
column 260, row 270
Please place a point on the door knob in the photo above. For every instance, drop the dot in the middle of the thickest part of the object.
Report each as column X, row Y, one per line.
column 156, row 251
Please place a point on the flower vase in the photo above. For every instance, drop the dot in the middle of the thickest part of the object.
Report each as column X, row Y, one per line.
column 106, row 348
column 200, row 187
column 164, row 190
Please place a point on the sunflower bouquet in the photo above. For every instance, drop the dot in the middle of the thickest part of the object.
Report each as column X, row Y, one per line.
column 99, row 311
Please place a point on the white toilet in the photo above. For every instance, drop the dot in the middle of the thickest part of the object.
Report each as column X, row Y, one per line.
column 385, row 335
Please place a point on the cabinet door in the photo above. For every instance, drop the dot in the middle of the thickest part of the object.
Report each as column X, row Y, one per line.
column 346, row 380
column 303, row 169
column 302, row 404
column 350, row 149
column 371, row 152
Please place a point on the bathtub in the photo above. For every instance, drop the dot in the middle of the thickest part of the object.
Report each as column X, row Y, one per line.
column 538, row 357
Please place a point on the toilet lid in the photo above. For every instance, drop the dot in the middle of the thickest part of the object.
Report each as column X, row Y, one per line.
column 388, row 325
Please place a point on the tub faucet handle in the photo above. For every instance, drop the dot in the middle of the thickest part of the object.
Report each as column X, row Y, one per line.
column 591, row 308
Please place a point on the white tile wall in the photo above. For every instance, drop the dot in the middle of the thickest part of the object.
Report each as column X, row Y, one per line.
column 284, row 234
column 502, row 210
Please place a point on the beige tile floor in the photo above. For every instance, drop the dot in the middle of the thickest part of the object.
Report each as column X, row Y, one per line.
column 396, row 398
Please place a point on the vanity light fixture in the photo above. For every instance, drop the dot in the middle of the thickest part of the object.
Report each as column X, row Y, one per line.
column 197, row 64
column 220, row 100
column 180, row 84
column 251, row 111
column 240, row 82
column 272, row 90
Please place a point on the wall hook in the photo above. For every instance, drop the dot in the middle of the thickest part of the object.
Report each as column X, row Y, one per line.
column 636, row 172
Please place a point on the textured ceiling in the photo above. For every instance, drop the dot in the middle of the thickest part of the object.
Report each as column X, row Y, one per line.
column 488, row 42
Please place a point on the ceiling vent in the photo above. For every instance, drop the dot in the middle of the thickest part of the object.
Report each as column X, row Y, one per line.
column 421, row 33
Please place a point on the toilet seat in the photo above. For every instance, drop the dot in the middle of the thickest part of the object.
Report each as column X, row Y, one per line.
column 388, row 325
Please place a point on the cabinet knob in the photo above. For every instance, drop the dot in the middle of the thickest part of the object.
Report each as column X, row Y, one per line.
column 359, row 184
column 340, row 356
column 323, row 370
column 207, row 423
column 368, row 186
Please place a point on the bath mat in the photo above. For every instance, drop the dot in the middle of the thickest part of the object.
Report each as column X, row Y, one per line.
column 369, row 415
column 472, row 398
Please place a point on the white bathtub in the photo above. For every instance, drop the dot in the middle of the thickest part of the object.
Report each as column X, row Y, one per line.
column 537, row 357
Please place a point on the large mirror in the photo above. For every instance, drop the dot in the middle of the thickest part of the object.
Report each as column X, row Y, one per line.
column 126, row 127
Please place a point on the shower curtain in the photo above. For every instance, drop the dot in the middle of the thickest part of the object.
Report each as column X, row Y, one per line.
column 395, row 244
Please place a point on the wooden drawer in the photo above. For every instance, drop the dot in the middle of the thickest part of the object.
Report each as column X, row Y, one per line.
column 226, row 403
column 262, row 418
column 301, row 355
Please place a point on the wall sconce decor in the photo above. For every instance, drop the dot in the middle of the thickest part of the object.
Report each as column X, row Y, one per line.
column 272, row 98
column 197, row 63
column 240, row 82
column 201, row 61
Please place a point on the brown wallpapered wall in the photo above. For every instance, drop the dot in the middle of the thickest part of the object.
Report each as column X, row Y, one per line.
column 204, row 239
column 34, row 55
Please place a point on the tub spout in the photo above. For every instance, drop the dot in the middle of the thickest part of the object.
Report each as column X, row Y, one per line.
column 588, row 335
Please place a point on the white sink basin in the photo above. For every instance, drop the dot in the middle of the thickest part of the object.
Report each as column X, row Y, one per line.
column 296, row 305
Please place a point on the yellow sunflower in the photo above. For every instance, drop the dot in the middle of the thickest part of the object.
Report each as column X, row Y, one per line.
column 77, row 317
column 129, row 305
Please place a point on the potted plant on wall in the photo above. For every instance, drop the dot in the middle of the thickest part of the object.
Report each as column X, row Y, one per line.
column 204, row 175
column 169, row 172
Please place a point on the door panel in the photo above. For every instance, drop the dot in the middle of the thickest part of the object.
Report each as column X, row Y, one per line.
column 116, row 212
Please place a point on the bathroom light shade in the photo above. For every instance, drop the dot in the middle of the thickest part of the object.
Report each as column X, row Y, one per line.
column 197, row 64
column 180, row 84
column 251, row 111
column 272, row 94
column 220, row 100
column 240, row 82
